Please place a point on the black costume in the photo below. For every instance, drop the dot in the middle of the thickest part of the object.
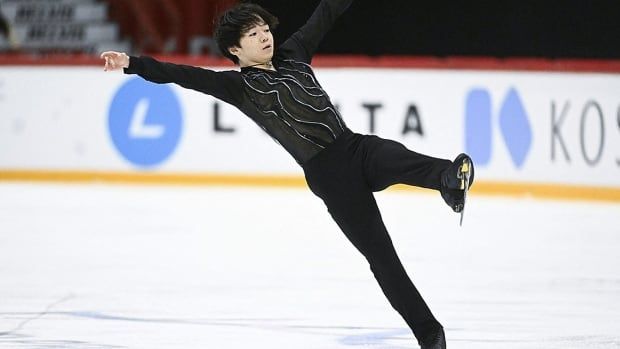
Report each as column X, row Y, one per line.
column 341, row 167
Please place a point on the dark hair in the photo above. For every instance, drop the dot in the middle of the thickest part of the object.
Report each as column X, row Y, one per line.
column 234, row 22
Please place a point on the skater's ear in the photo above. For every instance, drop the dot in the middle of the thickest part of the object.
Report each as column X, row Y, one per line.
column 234, row 50
column 235, row 53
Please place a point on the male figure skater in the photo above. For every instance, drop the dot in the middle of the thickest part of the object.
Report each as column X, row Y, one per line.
column 279, row 91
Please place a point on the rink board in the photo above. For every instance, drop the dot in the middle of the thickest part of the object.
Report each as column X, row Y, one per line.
column 546, row 132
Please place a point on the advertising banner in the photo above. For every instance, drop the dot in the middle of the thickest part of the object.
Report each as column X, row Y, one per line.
column 519, row 127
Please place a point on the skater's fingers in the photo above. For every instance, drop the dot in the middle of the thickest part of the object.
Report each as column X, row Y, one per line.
column 114, row 60
column 110, row 54
column 109, row 65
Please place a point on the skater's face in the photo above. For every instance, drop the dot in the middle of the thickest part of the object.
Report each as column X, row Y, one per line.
column 255, row 46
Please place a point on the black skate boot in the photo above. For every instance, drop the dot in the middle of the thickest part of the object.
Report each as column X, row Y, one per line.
column 456, row 181
column 438, row 342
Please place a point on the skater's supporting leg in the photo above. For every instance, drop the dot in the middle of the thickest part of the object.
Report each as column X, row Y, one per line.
column 352, row 205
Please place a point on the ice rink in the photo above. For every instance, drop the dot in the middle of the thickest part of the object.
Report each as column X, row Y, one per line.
column 114, row 266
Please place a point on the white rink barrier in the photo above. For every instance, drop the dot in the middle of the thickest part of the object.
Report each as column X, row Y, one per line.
column 528, row 132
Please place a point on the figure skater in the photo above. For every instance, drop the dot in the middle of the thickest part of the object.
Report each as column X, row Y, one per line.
column 276, row 87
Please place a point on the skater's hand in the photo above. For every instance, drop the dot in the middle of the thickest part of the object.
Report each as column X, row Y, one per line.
column 115, row 60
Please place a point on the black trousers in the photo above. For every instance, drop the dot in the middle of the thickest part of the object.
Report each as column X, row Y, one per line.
column 344, row 176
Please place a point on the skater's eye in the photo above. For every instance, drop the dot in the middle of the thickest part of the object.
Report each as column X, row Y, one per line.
column 252, row 34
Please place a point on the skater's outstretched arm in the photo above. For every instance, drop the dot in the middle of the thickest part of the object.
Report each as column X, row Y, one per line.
column 218, row 84
column 304, row 43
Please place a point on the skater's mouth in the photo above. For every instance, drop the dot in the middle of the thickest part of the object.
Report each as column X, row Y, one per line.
column 267, row 47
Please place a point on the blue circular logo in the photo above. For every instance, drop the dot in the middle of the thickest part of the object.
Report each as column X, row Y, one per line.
column 145, row 122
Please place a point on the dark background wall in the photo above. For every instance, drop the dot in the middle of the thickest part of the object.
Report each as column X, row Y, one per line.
column 522, row 28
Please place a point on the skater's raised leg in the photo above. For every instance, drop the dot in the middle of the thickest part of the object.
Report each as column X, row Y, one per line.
column 388, row 162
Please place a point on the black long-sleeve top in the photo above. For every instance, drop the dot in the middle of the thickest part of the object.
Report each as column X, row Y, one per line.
column 289, row 103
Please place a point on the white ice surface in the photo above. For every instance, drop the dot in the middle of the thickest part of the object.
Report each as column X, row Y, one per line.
column 106, row 266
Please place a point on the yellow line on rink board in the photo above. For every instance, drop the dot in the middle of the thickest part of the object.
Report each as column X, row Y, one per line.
column 511, row 189
column 154, row 178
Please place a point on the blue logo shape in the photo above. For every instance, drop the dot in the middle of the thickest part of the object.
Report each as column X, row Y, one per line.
column 145, row 122
column 478, row 128
column 515, row 127
column 513, row 121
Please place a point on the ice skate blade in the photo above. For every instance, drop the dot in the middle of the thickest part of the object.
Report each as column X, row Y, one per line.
column 464, row 175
